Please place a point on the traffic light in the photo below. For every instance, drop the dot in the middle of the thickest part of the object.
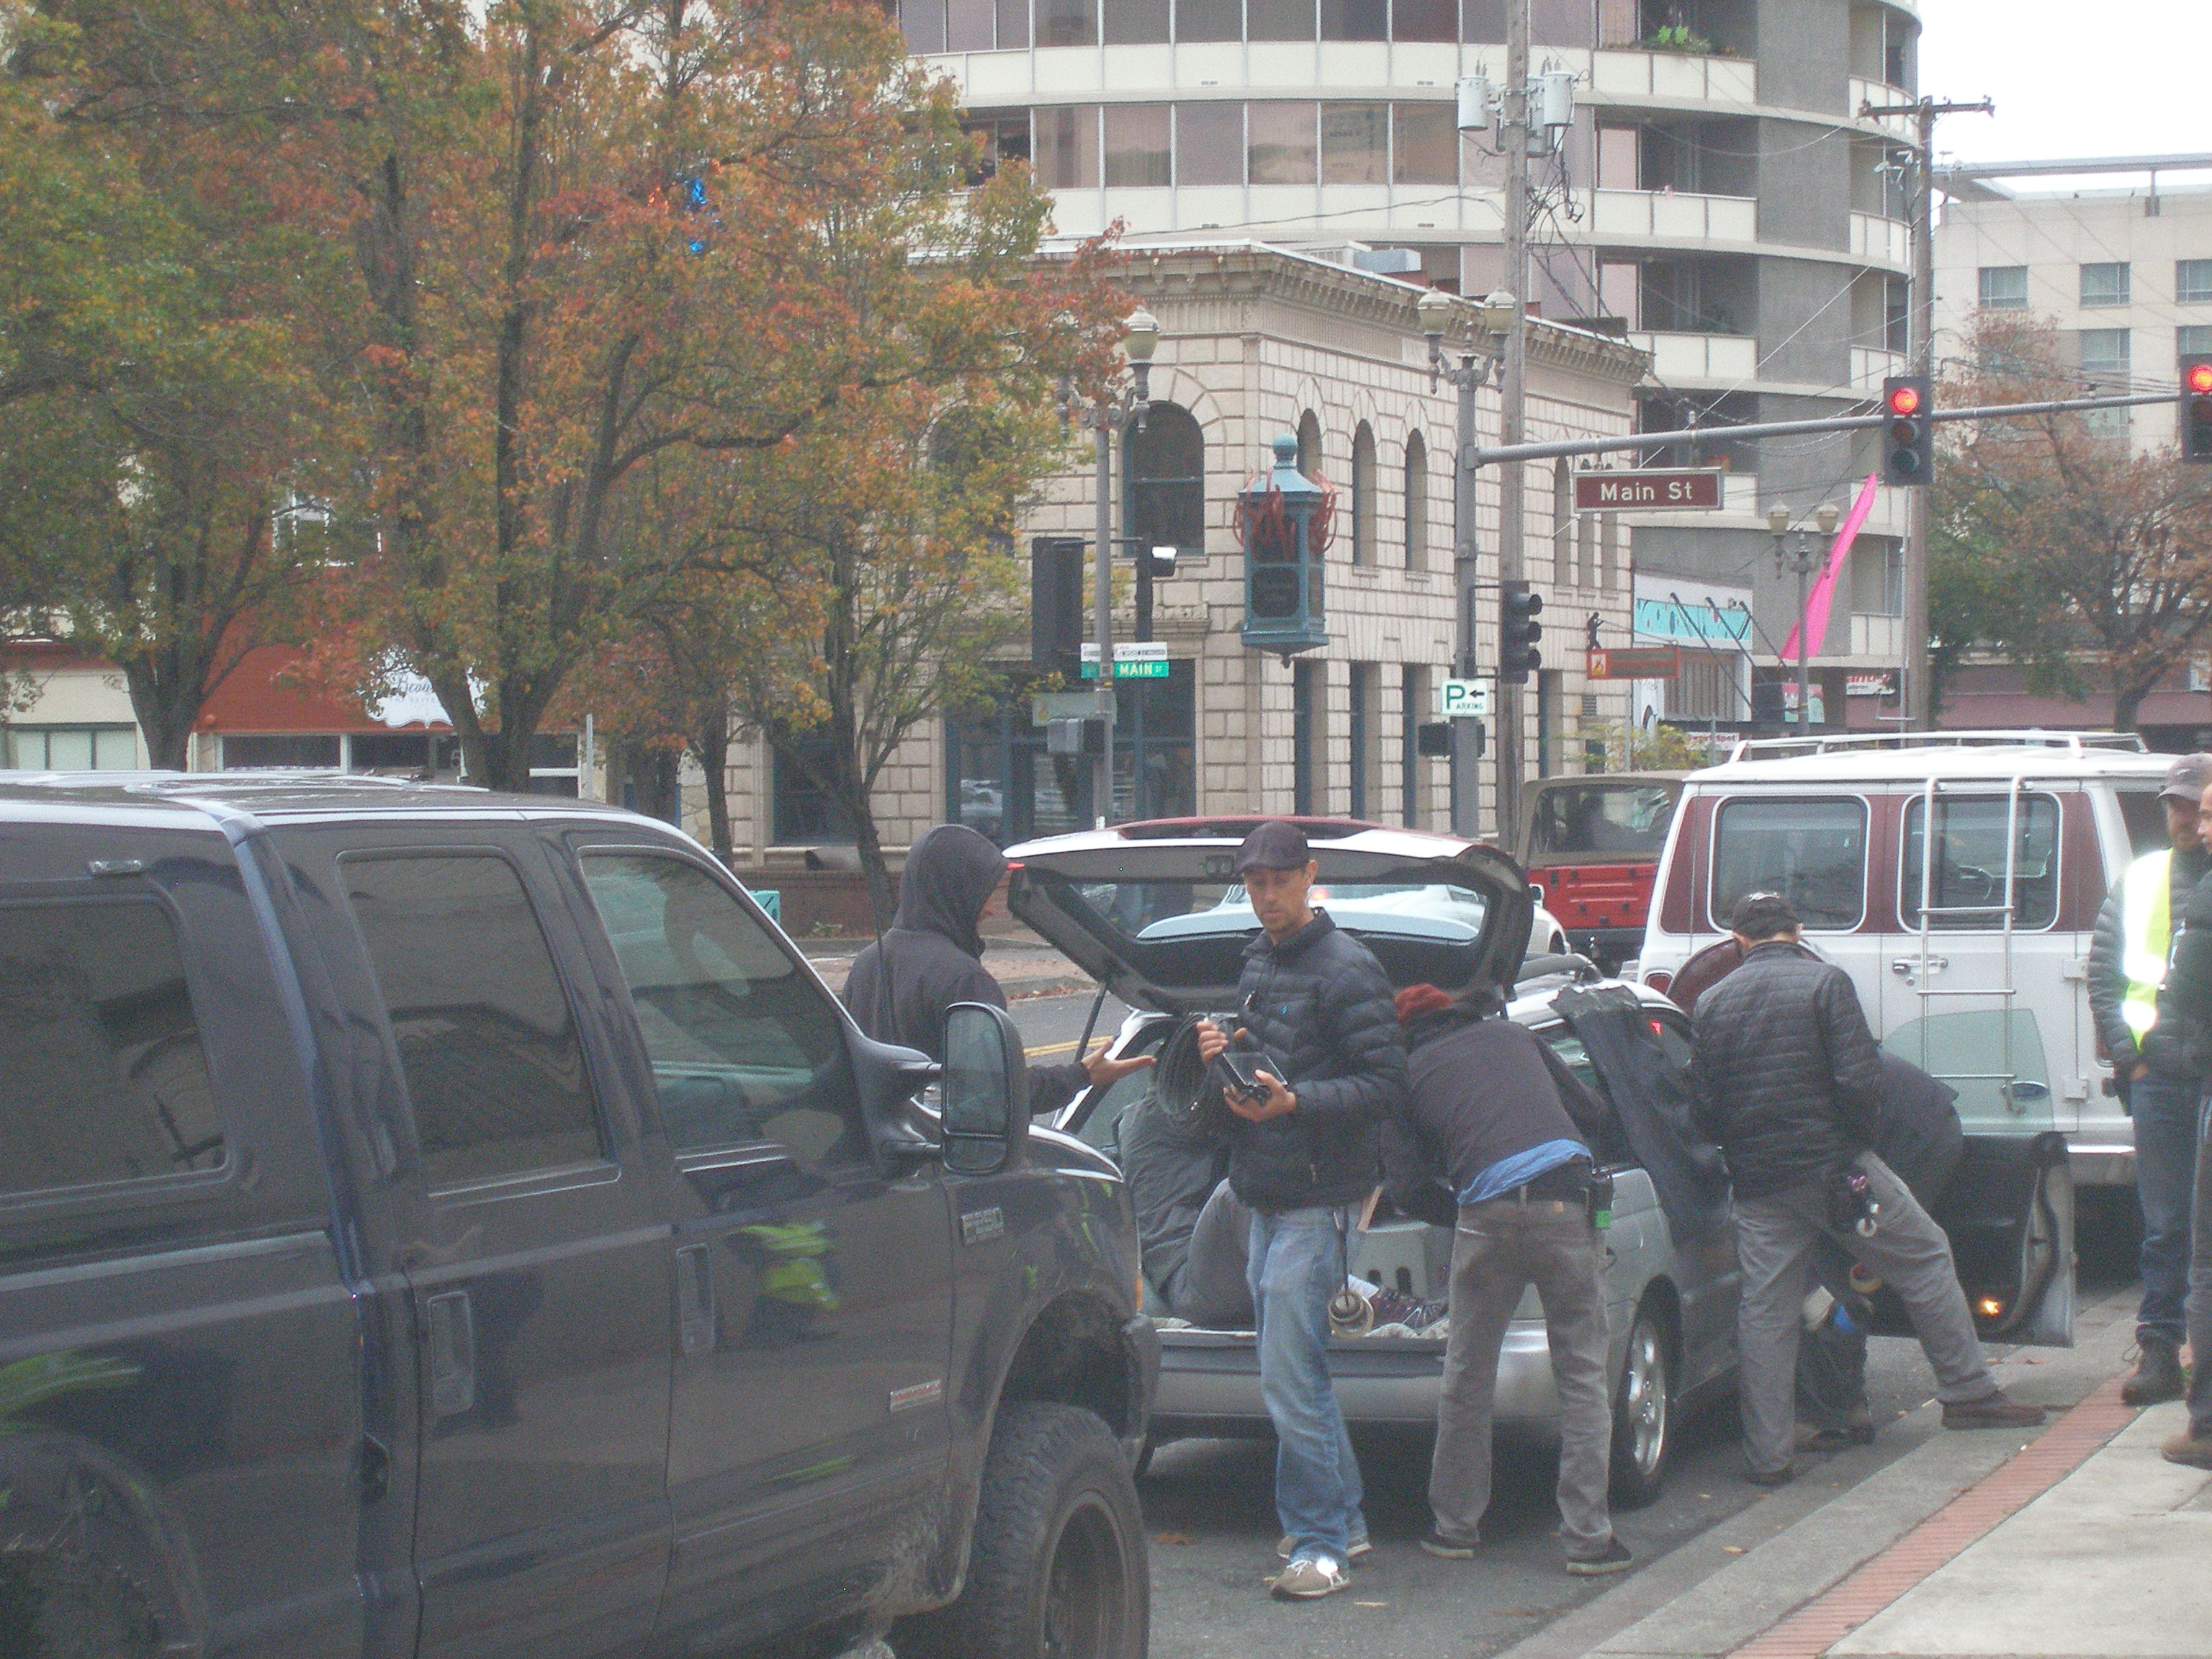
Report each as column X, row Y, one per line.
column 1908, row 444
column 2196, row 413
column 1518, row 631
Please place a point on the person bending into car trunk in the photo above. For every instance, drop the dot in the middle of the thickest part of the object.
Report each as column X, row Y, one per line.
column 1302, row 1148
column 1495, row 1143
column 1789, row 1082
column 932, row 957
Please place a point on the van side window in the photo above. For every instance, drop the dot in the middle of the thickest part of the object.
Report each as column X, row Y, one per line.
column 1811, row 852
column 743, row 1046
column 2141, row 810
column 102, row 1074
column 488, row 1047
column 1965, row 880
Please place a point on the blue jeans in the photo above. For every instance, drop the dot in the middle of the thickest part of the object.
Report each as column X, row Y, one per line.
column 2165, row 1111
column 1295, row 1265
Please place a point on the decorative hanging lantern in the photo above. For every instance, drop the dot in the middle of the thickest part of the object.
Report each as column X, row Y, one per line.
column 1284, row 522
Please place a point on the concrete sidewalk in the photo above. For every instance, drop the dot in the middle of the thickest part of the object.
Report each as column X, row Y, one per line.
column 2078, row 1539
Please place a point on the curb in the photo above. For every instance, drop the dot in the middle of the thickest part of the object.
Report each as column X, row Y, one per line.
column 2056, row 1453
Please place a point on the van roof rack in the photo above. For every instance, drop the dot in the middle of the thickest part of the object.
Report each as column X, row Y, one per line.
column 2031, row 738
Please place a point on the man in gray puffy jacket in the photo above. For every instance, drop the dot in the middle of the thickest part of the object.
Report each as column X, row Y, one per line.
column 1789, row 1082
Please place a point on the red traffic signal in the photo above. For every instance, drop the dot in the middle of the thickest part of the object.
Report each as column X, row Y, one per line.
column 2194, row 417
column 1908, row 446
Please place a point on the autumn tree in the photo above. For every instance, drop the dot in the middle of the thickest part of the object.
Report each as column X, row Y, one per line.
column 2057, row 542
column 169, row 324
column 596, row 236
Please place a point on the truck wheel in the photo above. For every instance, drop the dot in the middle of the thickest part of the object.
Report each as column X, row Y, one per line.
column 1058, row 1568
column 1643, row 1411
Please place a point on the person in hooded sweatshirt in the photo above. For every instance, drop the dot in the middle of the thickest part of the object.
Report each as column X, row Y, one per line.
column 932, row 958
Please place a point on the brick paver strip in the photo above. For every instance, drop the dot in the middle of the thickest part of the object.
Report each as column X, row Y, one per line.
column 2061, row 1448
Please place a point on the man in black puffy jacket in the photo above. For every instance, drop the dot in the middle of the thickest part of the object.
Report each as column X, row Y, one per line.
column 1791, row 1083
column 1303, row 1149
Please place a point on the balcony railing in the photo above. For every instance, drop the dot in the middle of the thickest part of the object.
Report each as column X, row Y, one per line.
column 1685, row 359
column 1881, row 637
column 1673, row 75
column 1881, row 242
column 1870, row 367
column 1673, row 216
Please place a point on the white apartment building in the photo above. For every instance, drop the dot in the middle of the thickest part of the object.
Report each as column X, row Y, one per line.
column 1718, row 202
column 2125, row 273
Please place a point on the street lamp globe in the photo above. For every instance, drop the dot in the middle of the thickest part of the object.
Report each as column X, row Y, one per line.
column 1826, row 516
column 1498, row 310
column 1435, row 310
column 1141, row 335
column 1777, row 518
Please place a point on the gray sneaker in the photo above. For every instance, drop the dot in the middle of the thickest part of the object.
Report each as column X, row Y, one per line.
column 1358, row 1550
column 1616, row 1559
column 1308, row 1580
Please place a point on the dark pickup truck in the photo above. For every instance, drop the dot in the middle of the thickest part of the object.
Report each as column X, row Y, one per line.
column 434, row 1222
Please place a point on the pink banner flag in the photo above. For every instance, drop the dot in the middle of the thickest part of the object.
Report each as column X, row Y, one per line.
column 1815, row 622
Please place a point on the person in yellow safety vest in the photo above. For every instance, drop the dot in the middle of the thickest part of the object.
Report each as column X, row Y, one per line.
column 2128, row 959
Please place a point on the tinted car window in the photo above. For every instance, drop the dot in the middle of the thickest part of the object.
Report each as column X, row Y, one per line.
column 487, row 1048
column 1629, row 819
column 742, row 1043
column 1965, row 880
column 2146, row 820
column 102, row 1074
column 1811, row 852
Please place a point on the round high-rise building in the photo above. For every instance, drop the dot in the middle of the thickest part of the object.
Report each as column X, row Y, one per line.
column 1718, row 201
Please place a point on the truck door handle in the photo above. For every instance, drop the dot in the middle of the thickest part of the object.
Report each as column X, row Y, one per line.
column 1906, row 967
column 694, row 1299
column 453, row 1354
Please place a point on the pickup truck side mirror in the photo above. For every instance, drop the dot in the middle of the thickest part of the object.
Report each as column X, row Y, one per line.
column 985, row 1090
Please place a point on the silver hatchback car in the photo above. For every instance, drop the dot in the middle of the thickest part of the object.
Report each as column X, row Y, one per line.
column 1153, row 911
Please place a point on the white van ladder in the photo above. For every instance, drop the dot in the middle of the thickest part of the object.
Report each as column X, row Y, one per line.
column 2005, row 991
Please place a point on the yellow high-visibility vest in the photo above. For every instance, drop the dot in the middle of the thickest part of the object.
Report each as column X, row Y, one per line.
column 2147, row 934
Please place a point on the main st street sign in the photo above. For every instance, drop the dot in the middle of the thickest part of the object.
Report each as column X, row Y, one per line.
column 1688, row 488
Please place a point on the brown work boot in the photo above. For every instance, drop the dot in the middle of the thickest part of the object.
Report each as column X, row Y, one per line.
column 1995, row 1410
column 2193, row 1446
column 2158, row 1375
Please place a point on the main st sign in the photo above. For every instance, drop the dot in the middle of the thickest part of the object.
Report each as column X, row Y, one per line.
column 1613, row 492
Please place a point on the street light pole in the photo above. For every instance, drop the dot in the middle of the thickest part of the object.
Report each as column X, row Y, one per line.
column 1804, row 560
column 1438, row 311
column 1140, row 338
column 1514, row 384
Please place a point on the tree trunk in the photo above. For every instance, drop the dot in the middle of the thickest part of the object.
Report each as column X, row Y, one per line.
column 868, row 843
column 166, row 707
column 2127, row 702
column 711, row 744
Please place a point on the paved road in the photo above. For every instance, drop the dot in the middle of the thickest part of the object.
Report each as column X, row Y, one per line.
column 1208, row 1505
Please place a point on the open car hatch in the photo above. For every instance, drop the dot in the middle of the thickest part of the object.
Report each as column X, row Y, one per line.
column 1155, row 912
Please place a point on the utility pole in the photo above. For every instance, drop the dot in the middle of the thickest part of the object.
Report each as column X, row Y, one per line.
column 1101, row 773
column 1914, row 700
column 1512, row 421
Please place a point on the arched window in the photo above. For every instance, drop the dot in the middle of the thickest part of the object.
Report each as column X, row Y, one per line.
column 1309, row 444
column 1165, row 469
column 1417, row 502
column 1363, row 495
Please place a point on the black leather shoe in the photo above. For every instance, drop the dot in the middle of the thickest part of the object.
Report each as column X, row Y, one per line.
column 1781, row 1477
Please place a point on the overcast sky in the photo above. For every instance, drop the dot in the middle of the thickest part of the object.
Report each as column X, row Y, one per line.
column 2115, row 77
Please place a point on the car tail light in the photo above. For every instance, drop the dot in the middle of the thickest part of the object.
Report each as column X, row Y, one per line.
column 1659, row 979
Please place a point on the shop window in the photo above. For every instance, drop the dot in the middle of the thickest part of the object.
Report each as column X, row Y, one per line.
column 1002, row 782
column 1209, row 143
column 1308, row 736
column 1417, row 502
column 72, row 748
column 320, row 750
column 1137, row 145
column 1283, row 150
column 804, row 812
column 1166, row 473
column 1424, row 145
column 1366, row 741
column 1412, row 769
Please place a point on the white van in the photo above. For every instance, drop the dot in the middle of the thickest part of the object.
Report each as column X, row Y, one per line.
column 1970, row 948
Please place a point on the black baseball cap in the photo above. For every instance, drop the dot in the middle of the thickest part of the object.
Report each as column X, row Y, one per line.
column 1762, row 915
column 1274, row 845
column 2187, row 779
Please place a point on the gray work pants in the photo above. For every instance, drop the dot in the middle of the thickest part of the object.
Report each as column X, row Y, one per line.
column 2200, row 1282
column 1500, row 1249
column 1775, row 1237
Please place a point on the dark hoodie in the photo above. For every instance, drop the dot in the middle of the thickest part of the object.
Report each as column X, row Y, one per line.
column 901, row 984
